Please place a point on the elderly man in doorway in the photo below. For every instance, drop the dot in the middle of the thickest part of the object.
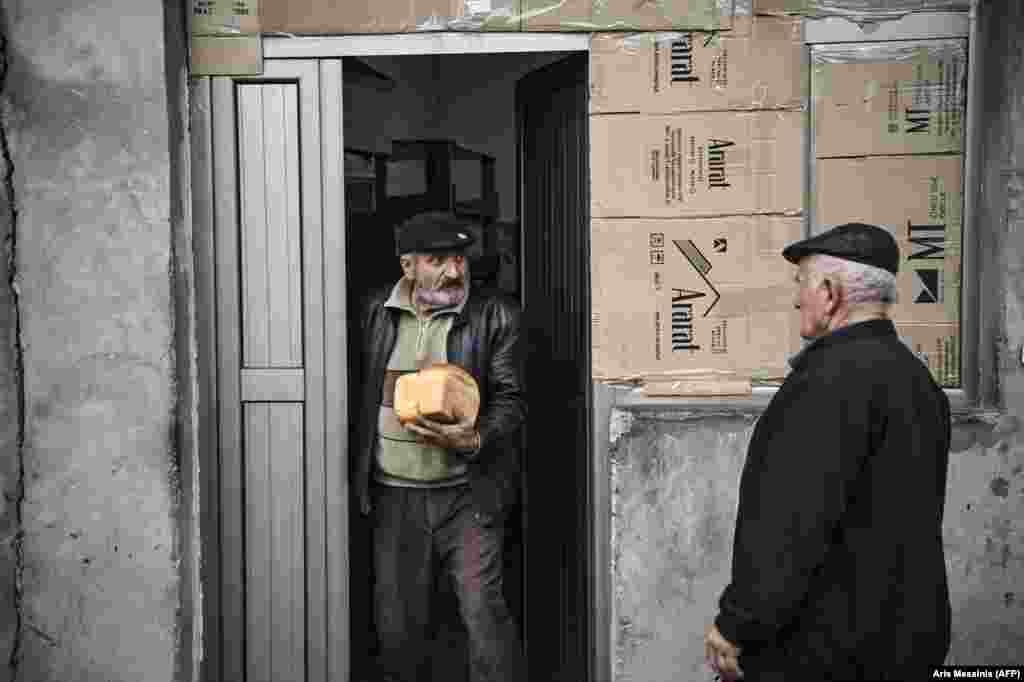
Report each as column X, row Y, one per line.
column 838, row 570
column 437, row 492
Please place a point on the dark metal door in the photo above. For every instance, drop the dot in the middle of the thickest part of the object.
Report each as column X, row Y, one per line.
column 554, row 205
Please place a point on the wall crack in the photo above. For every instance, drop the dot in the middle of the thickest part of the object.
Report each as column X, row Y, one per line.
column 11, row 245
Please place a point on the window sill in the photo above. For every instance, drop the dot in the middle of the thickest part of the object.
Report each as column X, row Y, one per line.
column 757, row 401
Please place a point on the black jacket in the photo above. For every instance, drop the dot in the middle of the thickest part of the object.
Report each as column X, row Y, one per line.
column 838, row 568
column 485, row 340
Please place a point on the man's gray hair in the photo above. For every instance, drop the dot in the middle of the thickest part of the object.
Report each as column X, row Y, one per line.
column 863, row 283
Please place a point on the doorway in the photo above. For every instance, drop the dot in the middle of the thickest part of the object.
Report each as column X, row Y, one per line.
column 295, row 140
column 500, row 139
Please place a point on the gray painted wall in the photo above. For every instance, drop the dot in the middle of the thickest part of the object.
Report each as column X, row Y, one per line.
column 85, row 117
column 675, row 469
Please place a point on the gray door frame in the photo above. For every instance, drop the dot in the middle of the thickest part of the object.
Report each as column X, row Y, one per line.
column 279, row 53
column 319, row 383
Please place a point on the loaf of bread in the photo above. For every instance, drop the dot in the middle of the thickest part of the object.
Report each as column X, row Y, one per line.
column 442, row 392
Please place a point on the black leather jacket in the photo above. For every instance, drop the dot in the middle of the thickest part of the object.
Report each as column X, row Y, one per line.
column 485, row 340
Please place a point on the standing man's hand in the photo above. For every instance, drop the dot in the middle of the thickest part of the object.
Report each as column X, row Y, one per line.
column 461, row 436
column 721, row 655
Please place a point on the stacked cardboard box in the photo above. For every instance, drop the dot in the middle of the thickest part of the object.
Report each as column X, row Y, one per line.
column 755, row 65
column 226, row 35
column 403, row 16
column 696, row 166
column 887, row 135
column 888, row 98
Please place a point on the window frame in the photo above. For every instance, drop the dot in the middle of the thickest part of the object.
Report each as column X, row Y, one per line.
column 921, row 26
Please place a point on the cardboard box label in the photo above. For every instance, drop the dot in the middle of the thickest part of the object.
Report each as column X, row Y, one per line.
column 888, row 98
column 938, row 347
column 696, row 164
column 934, row 251
column 225, row 17
column 919, row 200
column 692, row 294
column 754, row 68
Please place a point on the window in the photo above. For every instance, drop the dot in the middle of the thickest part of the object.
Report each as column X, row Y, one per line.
column 886, row 141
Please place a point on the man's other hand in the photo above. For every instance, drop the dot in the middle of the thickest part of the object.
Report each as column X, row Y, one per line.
column 461, row 435
column 721, row 654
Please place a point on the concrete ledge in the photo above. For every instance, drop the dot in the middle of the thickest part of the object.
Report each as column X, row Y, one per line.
column 738, row 406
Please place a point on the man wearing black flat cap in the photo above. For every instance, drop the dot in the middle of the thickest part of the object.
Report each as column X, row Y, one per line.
column 436, row 493
column 838, row 570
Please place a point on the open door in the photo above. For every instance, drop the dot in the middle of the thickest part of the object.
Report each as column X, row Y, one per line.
column 554, row 208
column 277, row 606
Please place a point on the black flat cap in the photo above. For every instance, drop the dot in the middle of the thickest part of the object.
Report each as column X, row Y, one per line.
column 858, row 242
column 433, row 231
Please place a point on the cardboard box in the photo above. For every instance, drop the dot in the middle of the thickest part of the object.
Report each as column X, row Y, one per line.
column 754, row 67
column 938, row 346
column 696, row 164
column 405, row 16
column 888, row 98
column 712, row 386
column 224, row 38
column 626, row 15
column 780, row 7
column 389, row 16
column 692, row 294
column 226, row 55
column 919, row 200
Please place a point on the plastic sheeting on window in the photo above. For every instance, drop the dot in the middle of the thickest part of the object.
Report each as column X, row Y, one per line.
column 860, row 11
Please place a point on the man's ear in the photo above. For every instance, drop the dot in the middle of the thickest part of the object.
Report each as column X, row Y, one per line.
column 408, row 262
column 834, row 291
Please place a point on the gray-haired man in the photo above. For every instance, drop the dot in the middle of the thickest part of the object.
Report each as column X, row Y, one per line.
column 838, row 570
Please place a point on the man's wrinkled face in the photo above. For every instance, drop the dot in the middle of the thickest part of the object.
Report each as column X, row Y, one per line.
column 439, row 278
column 813, row 299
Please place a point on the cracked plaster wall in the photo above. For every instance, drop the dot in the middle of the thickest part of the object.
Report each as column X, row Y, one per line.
column 86, row 117
column 10, row 410
column 675, row 475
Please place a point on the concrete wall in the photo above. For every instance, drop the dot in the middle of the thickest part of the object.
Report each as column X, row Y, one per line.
column 85, row 118
column 675, row 476
column 675, row 471
column 10, row 407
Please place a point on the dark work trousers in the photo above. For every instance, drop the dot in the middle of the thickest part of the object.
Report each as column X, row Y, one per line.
column 420, row 531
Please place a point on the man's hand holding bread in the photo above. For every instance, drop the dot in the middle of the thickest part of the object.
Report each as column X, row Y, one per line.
column 440, row 404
